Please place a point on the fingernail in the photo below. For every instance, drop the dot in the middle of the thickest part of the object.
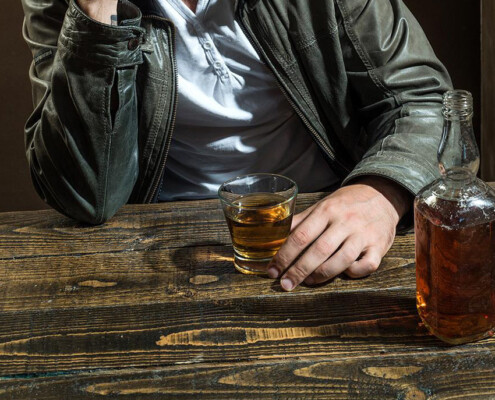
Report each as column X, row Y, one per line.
column 286, row 284
column 273, row 272
column 309, row 280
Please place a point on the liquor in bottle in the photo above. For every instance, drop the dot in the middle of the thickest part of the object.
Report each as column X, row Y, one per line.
column 455, row 236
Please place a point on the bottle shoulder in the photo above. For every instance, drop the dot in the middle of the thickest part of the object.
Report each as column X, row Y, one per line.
column 457, row 206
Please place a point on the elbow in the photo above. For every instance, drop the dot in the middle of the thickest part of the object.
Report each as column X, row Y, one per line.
column 90, row 218
column 78, row 193
column 83, row 212
column 75, row 206
column 91, row 213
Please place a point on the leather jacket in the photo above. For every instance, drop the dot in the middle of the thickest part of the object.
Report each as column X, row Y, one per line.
column 359, row 73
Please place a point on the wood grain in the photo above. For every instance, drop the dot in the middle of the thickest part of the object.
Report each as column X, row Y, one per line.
column 149, row 306
column 145, row 254
column 265, row 327
column 441, row 377
column 150, row 277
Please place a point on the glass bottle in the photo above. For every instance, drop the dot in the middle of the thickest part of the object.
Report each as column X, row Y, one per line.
column 455, row 235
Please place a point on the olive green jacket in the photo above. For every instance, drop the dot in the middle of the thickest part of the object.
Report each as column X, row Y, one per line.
column 360, row 74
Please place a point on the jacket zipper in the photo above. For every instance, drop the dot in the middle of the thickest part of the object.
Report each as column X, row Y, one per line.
column 174, row 115
column 278, row 79
column 330, row 153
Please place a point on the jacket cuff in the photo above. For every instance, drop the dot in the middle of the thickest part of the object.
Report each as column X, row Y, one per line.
column 93, row 41
column 404, row 171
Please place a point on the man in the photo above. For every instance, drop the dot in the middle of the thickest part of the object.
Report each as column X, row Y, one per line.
column 329, row 92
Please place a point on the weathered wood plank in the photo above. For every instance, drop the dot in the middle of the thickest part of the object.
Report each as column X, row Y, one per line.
column 449, row 376
column 341, row 324
column 231, row 329
column 148, row 254
column 46, row 233
column 183, row 274
column 134, row 293
column 135, row 227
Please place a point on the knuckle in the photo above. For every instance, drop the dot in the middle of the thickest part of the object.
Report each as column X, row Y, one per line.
column 281, row 259
column 350, row 214
column 351, row 273
column 362, row 269
column 374, row 264
column 351, row 217
column 323, row 274
column 367, row 268
column 297, row 273
column 326, row 208
column 322, row 247
column 300, row 238
column 349, row 254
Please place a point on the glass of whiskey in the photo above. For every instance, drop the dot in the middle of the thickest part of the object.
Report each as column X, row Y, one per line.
column 258, row 209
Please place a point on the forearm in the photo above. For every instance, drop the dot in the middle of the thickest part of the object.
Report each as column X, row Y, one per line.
column 82, row 136
column 83, row 159
column 398, row 84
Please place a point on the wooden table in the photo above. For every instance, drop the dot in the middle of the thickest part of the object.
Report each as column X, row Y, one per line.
column 149, row 306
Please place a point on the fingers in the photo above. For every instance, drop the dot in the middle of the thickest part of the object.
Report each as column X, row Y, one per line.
column 365, row 265
column 338, row 262
column 350, row 231
column 298, row 218
column 299, row 239
column 358, row 268
column 319, row 251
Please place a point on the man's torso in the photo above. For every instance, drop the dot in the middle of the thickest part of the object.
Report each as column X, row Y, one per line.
column 232, row 117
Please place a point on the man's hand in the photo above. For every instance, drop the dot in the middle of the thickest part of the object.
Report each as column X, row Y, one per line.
column 348, row 231
column 99, row 10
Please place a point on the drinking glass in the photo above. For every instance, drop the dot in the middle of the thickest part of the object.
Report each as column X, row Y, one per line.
column 258, row 209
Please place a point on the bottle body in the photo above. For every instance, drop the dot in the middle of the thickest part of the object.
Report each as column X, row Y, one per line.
column 455, row 263
column 454, row 221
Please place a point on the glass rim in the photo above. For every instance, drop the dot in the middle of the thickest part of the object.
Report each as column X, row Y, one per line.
column 222, row 198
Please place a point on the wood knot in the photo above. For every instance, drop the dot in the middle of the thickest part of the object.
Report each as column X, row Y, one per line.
column 203, row 279
column 393, row 373
column 97, row 284
column 415, row 394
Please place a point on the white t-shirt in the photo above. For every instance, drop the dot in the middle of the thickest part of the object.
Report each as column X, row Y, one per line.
column 232, row 117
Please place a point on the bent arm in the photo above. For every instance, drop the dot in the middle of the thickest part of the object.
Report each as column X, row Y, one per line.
column 81, row 139
column 397, row 84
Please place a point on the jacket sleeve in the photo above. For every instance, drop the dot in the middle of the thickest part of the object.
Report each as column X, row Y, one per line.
column 397, row 84
column 81, row 139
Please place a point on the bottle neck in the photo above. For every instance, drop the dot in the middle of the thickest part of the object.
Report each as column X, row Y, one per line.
column 458, row 176
column 458, row 156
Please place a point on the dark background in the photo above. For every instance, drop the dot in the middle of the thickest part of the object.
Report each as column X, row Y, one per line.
column 453, row 27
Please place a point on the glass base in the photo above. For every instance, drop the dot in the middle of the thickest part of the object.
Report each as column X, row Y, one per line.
column 250, row 266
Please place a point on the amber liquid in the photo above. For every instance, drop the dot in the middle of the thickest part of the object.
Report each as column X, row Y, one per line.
column 455, row 275
column 259, row 225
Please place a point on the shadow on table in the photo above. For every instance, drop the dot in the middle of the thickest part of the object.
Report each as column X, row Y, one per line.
column 212, row 257
column 204, row 258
